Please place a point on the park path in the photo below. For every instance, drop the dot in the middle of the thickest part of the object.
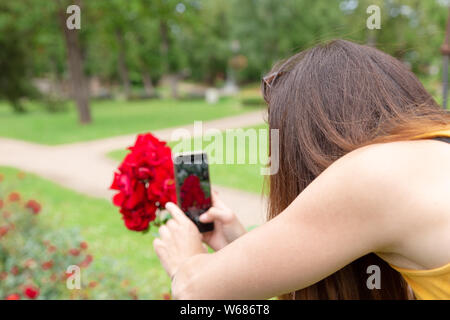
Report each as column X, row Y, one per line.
column 85, row 168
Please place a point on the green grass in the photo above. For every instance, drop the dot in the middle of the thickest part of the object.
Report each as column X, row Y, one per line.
column 110, row 118
column 241, row 176
column 100, row 224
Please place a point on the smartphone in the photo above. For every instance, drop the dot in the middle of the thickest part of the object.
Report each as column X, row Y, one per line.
column 193, row 186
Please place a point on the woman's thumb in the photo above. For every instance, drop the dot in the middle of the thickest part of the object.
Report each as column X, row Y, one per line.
column 210, row 215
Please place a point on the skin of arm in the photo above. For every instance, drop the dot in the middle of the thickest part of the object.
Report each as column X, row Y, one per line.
column 342, row 215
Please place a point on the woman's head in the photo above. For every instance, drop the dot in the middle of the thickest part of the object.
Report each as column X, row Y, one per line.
column 333, row 98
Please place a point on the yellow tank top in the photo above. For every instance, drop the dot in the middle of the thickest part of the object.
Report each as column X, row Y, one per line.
column 433, row 283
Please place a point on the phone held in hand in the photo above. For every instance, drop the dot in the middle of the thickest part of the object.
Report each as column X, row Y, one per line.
column 193, row 186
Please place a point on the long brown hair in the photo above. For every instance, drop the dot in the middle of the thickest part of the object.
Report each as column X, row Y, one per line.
column 327, row 101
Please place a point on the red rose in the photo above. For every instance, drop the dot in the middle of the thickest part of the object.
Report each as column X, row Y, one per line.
column 3, row 231
column 34, row 206
column 31, row 292
column 74, row 252
column 14, row 196
column 87, row 261
column 139, row 218
column 145, row 182
column 13, row 296
column 15, row 270
column 47, row 265
column 83, row 245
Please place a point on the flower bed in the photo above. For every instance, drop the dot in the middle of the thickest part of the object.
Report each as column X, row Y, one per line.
column 34, row 257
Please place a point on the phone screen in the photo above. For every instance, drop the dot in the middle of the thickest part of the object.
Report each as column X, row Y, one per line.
column 193, row 187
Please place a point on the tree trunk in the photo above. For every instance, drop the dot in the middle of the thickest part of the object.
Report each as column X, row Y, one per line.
column 122, row 64
column 174, row 79
column 80, row 90
column 148, row 85
column 164, row 34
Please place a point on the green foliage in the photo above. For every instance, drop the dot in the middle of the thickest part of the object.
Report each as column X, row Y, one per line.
column 200, row 38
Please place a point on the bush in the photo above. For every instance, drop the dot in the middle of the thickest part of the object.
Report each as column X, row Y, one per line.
column 251, row 97
column 34, row 258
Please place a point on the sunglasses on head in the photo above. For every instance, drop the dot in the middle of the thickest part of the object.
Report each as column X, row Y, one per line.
column 267, row 82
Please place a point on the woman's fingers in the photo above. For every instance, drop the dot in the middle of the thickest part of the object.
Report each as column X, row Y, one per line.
column 164, row 232
column 215, row 214
column 176, row 213
column 217, row 202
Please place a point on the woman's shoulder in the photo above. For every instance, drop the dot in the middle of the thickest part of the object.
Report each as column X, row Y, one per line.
column 395, row 160
column 395, row 182
column 408, row 182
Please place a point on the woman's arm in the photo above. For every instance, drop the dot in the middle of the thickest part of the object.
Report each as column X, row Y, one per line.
column 344, row 214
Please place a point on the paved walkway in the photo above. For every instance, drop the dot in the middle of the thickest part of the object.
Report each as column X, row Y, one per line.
column 84, row 167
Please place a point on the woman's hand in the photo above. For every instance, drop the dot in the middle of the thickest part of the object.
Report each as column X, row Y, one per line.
column 180, row 240
column 227, row 227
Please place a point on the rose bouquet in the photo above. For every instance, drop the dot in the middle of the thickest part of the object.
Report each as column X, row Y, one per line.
column 145, row 181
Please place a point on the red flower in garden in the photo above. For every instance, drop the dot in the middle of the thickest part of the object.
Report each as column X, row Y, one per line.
column 47, row 265
column 51, row 248
column 15, row 270
column 93, row 284
column 87, row 261
column 31, row 292
column 83, row 245
column 74, row 252
column 145, row 182
column 3, row 275
column 1, row 203
column 14, row 196
column 3, row 231
column 13, row 296
column 34, row 206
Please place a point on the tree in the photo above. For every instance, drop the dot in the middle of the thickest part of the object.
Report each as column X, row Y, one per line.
column 80, row 90
column 17, row 42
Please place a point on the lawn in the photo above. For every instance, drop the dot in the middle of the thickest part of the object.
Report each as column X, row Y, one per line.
column 101, row 226
column 241, row 176
column 110, row 118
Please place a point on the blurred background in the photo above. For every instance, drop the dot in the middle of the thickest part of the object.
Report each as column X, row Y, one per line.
column 72, row 100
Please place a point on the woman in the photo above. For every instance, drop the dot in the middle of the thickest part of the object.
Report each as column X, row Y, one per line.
column 362, row 181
